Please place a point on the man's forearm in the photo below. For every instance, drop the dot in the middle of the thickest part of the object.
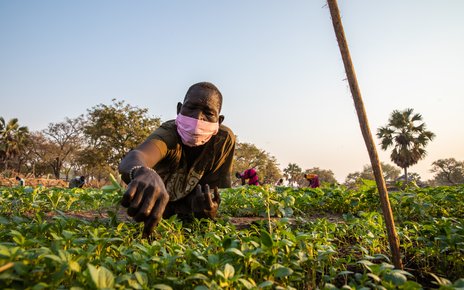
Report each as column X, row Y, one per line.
column 132, row 159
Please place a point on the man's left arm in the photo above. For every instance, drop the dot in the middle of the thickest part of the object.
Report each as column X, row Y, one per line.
column 220, row 174
column 204, row 201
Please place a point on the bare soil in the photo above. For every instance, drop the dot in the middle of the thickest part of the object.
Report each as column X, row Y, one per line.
column 238, row 222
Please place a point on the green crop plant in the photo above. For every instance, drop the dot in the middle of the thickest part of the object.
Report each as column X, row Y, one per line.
column 326, row 238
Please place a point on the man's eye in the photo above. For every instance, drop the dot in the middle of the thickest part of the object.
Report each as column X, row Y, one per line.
column 210, row 113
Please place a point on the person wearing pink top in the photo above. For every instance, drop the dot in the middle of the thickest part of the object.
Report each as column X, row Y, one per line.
column 313, row 180
column 249, row 174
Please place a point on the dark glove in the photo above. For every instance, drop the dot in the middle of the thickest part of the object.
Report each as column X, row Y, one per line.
column 146, row 198
column 238, row 175
column 205, row 203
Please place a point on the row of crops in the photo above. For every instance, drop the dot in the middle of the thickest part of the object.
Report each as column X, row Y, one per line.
column 332, row 238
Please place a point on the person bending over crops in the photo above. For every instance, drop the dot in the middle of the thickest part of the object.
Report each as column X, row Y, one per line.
column 249, row 174
column 280, row 182
column 21, row 181
column 180, row 166
column 77, row 182
column 313, row 180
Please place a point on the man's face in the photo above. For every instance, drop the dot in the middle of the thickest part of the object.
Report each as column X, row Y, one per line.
column 201, row 104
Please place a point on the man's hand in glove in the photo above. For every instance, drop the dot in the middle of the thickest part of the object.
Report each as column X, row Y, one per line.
column 146, row 198
column 205, row 203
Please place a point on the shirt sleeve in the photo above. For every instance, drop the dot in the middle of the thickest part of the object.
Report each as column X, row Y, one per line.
column 220, row 174
column 164, row 138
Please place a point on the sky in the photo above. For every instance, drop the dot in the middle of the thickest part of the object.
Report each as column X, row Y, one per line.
column 277, row 64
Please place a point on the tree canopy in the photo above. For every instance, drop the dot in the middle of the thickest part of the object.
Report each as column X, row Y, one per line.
column 294, row 173
column 448, row 171
column 390, row 173
column 247, row 155
column 13, row 137
column 111, row 131
column 407, row 134
column 65, row 140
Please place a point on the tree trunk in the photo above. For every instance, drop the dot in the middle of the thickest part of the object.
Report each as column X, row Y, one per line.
column 405, row 176
column 363, row 123
column 57, row 167
column 67, row 173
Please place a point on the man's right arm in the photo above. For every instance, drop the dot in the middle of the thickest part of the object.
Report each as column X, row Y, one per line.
column 146, row 155
column 146, row 196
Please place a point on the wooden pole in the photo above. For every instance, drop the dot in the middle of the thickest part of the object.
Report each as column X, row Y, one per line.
column 364, row 124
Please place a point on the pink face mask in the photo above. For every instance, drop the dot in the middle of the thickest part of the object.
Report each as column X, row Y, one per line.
column 194, row 132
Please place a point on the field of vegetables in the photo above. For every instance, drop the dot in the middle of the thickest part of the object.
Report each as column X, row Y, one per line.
column 323, row 238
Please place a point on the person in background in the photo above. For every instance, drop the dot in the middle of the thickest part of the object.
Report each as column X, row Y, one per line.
column 178, row 169
column 21, row 181
column 313, row 180
column 249, row 174
column 77, row 182
column 280, row 182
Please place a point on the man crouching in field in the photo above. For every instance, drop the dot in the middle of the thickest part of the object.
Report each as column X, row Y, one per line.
column 180, row 166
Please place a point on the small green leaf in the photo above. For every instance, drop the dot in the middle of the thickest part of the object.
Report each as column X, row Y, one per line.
column 114, row 181
column 266, row 239
column 374, row 277
column 162, row 287
column 134, row 284
column 67, row 234
column 235, row 251
column 197, row 276
column 345, row 273
column 227, row 242
column 220, row 274
column 54, row 258
column 366, row 263
column 4, row 252
column 247, row 284
column 40, row 286
column 266, row 284
column 102, row 277
column 4, row 221
column 329, row 286
column 395, row 277
column 283, row 272
column 141, row 278
column 108, row 188
column 459, row 283
column 199, row 256
column 414, row 285
column 74, row 266
column 229, row 271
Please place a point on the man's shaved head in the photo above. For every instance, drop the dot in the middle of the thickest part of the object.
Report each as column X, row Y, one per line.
column 206, row 86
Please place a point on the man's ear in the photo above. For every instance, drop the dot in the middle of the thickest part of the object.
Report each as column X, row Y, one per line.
column 179, row 106
column 221, row 119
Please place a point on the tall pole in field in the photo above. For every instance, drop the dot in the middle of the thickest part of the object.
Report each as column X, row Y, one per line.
column 364, row 124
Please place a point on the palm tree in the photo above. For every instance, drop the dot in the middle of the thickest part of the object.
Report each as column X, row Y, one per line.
column 13, row 138
column 407, row 134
